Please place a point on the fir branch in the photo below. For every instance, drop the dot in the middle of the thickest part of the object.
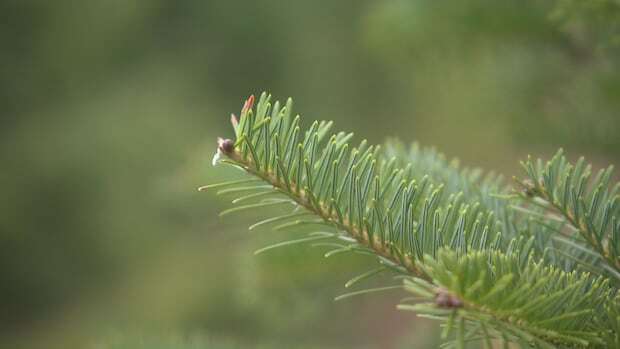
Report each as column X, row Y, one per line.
column 488, row 266
column 536, row 304
column 304, row 199
column 590, row 205
column 398, row 213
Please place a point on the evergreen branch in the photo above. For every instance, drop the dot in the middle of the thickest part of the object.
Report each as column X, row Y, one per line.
column 487, row 191
column 303, row 198
column 486, row 265
column 539, row 305
column 399, row 213
column 590, row 205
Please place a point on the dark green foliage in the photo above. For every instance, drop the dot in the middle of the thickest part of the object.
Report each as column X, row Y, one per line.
column 484, row 264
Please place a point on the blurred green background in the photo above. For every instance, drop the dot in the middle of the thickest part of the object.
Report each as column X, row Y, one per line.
column 110, row 111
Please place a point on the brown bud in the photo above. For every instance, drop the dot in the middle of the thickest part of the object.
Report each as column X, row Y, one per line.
column 442, row 300
column 530, row 189
column 455, row 302
column 226, row 146
column 445, row 299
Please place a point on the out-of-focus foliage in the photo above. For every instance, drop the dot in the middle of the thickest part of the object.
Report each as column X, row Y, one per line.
column 594, row 24
column 110, row 110
column 536, row 72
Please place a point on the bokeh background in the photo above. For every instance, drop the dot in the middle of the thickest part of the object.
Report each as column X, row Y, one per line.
column 109, row 115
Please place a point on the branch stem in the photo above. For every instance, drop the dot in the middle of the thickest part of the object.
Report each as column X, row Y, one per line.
column 299, row 195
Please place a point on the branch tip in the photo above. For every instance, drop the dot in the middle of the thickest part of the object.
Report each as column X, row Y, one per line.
column 225, row 146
